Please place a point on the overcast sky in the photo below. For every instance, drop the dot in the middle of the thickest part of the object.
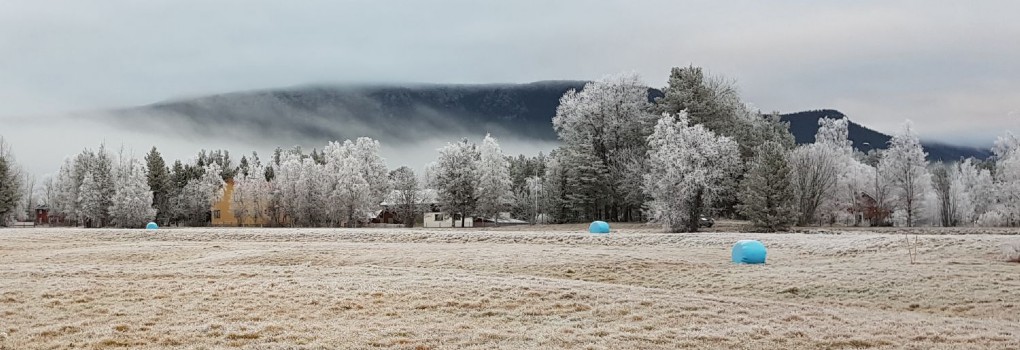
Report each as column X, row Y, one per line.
column 951, row 66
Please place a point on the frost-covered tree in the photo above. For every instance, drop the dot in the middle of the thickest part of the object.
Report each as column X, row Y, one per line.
column 814, row 172
column 974, row 190
column 766, row 194
column 10, row 183
column 853, row 177
column 1007, row 179
column 945, row 196
column 102, row 172
column 65, row 193
column 132, row 198
column 371, row 166
column 240, row 201
column 405, row 195
column 353, row 192
column 457, row 179
column 602, row 128
column 905, row 168
column 91, row 201
column 357, row 180
column 523, row 167
column 493, row 179
column 715, row 103
column 286, row 194
column 554, row 190
column 251, row 193
column 196, row 198
column 689, row 166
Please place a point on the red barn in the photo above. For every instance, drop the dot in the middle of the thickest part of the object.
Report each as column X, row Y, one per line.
column 42, row 215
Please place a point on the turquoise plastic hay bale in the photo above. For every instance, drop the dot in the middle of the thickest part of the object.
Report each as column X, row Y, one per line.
column 151, row 226
column 749, row 252
column 599, row 227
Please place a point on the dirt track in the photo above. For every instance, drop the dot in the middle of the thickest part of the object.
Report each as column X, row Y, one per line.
column 505, row 288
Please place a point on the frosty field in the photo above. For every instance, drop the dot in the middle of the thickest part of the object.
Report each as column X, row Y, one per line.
column 512, row 288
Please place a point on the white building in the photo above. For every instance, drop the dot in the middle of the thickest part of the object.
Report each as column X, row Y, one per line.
column 435, row 219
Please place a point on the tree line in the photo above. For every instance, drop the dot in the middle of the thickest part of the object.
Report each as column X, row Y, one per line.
column 698, row 150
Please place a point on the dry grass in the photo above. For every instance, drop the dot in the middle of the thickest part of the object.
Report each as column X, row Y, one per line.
column 506, row 288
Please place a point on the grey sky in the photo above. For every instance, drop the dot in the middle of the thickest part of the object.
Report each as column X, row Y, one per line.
column 951, row 66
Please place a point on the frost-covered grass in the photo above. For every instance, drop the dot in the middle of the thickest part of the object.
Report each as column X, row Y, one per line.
column 503, row 288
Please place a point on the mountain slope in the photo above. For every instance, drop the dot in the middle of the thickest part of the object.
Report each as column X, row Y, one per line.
column 804, row 125
column 405, row 114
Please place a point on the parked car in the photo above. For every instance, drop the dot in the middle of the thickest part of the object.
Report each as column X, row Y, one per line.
column 706, row 222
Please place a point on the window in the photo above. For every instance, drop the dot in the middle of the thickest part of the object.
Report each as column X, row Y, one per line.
column 216, row 214
column 438, row 217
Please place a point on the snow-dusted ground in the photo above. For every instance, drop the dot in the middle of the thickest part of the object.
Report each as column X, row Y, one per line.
column 508, row 288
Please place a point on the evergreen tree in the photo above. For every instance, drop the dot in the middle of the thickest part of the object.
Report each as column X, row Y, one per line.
column 104, row 178
column 243, row 167
column 555, row 189
column 10, row 183
column 766, row 192
column 715, row 103
column 160, row 183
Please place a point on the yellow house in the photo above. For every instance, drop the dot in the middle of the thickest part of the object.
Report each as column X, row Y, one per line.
column 222, row 215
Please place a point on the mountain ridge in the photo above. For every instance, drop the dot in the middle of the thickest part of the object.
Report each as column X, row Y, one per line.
column 403, row 113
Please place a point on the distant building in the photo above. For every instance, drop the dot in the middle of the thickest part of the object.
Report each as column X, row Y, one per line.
column 222, row 215
column 428, row 203
column 503, row 219
column 42, row 215
column 867, row 210
column 440, row 220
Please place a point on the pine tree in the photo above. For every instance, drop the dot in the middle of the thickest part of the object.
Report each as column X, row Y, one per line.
column 159, row 181
column 766, row 192
column 103, row 176
column 554, row 189
column 715, row 103
column 10, row 183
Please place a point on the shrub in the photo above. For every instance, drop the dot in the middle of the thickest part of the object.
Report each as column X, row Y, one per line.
column 992, row 219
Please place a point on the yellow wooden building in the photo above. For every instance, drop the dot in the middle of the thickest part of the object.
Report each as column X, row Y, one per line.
column 222, row 215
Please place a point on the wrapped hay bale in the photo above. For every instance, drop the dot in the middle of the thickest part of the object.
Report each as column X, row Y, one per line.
column 1011, row 252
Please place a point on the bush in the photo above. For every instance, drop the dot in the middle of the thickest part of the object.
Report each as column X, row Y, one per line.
column 992, row 219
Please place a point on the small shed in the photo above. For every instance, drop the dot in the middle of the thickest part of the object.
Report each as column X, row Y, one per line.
column 42, row 215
